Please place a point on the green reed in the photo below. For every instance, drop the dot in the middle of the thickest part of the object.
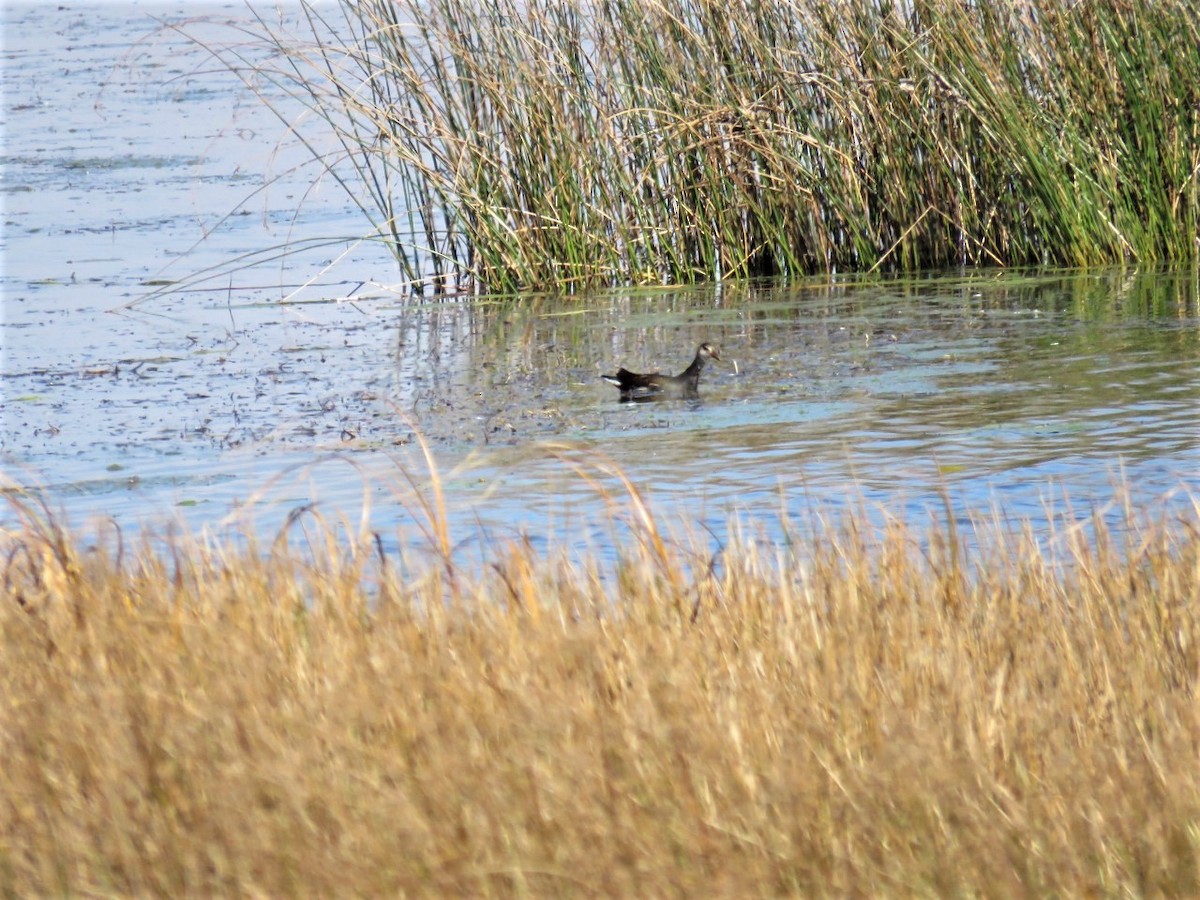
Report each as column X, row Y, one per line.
column 531, row 144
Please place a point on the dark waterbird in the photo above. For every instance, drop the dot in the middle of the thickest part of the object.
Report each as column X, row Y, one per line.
column 654, row 386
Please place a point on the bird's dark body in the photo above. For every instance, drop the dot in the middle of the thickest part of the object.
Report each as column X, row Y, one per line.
column 654, row 386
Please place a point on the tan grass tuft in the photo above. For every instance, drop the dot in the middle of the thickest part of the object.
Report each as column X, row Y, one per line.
column 860, row 715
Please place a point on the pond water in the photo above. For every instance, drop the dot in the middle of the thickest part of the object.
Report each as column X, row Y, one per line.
column 132, row 160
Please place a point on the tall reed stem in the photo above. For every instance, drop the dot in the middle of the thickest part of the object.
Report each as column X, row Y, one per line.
column 533, row 144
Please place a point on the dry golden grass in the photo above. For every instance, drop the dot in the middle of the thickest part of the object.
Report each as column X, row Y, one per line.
column 866, row 716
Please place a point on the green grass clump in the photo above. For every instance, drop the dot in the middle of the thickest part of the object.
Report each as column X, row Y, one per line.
column 521, row 145
column 858, row 717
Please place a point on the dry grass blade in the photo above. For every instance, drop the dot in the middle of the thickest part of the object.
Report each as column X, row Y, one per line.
column 215, row 720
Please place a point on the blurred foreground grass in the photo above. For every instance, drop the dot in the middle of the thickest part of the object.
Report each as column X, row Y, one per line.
column 859, row 716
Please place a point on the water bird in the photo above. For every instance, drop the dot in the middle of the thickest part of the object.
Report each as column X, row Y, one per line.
column 635, row 386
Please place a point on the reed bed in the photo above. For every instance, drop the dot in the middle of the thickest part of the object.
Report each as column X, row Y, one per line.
column 517, row 145
column 861, row 715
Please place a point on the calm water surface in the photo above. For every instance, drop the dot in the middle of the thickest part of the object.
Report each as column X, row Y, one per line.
column 235, row 401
